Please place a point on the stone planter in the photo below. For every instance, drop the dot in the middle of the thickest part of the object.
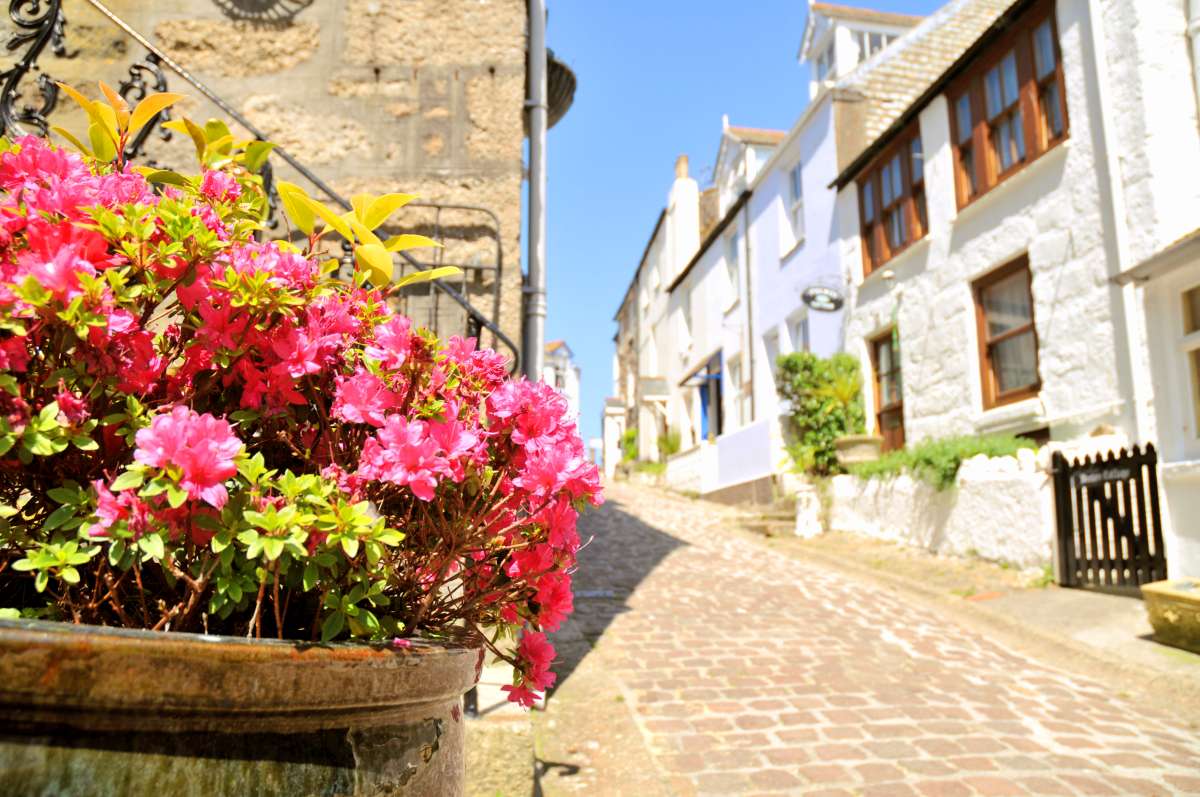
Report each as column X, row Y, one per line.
column 1174, row 609
column 857, row 448
column 98, row 711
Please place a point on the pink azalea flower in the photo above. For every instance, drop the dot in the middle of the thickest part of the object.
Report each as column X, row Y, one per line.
column 363, row 398
column 393, row 342
column 202, row 447
column 554, row 599
column 220, row 186
column 403, row 453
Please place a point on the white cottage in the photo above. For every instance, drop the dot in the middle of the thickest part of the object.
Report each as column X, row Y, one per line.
column 988, row 224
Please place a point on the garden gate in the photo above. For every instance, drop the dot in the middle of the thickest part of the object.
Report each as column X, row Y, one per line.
column 1109, row 521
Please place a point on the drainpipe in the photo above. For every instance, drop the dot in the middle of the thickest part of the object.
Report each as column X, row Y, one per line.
column 535, row 283
column 1193, row 30
column 750, row 304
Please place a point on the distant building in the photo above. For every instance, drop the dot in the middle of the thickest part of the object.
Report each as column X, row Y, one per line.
column 559, row 369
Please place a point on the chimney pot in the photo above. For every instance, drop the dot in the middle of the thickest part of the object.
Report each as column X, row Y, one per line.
column 681, row 167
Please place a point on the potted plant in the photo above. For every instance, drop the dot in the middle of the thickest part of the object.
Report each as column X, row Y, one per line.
column 333, row 513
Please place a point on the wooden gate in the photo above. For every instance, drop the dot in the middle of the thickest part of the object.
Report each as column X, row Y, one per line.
column 1109, row 526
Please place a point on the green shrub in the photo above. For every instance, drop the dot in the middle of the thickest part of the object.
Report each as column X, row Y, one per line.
column 669, row 443
column 656, row 468
column 937, row 461
column 629, row 444
column 825, row 400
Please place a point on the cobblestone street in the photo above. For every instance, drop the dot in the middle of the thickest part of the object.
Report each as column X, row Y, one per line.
column 700, row 662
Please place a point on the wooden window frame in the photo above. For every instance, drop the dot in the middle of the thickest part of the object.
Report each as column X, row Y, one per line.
column 992, row 396
column 896, row 407
column 873, row 233
column 1035, row 128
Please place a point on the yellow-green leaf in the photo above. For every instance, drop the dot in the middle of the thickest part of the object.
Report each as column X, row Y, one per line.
column 215, row 129
column 71, row 138
column 399, row 243
column 364, row 235
column 108, row 119
column 330, row 218
column 118, row 103
column 377, row 261
column 190, row 129
column 360, row 203
column 221, row 146
column 428, row 276
column 379, row 210
column 294, row 204
column 150, row 107
column 256, row 155
column 166, row 176
column 102, row 144
column 95, row 113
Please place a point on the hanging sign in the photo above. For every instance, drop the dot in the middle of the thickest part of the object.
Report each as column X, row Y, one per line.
column 823, row 299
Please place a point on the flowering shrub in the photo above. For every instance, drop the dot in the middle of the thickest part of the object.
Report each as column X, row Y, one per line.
column 200, row 431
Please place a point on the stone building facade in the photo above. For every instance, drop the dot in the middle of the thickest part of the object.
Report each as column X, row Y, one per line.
column 421, row 96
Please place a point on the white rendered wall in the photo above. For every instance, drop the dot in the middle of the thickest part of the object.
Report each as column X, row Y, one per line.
column 1000, row 509
column 1057, row 211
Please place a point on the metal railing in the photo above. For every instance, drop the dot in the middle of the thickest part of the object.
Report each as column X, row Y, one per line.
column 41, row 24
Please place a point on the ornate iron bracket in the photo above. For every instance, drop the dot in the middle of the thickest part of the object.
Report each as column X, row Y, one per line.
column 40, row 23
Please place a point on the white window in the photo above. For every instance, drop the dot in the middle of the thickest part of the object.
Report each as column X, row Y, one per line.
column 825, row 63
column 1191, row 347
column 739, row 394
column 685, row 325
column 733, row 246
column 796, row 202
column 871, row 43
column 798, row 332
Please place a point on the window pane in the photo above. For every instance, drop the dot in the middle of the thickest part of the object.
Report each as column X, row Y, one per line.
column 886, row 183
column 917, row 164
column 1051, row 111
column 876, row 42
column 1008, row 141
column 1015, row 362
column 919, row 201
column 1191, row 311
column 967, row 164
column 897, row 228
column 1043, row 49
column 1009, row 65
column 897, row 175
column 868, row 190
column 797, row 185
column 991, row 84
column 1007, row 304
column 962, row 109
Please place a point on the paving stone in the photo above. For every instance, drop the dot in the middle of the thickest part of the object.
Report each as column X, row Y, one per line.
column 749, row 672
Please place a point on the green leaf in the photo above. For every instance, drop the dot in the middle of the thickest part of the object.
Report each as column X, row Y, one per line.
column 84, row 443
column 10, row 614
column 399, row 243
column 152, row 545
column 311, row 576
column 176, row 496
column 350, row 546
column 75, row 142
column 59, row 517
column 332, row 625
column 64, row 495
column 428, row 276
column 379, row 210
column 127, row 481
column 215, row 130
column 150, row 107
column 256, row 155
column 116, row 552
column 69, row 575
column 41, row 581
column 376, row 261
column 295, row 205
column 192, row 130
column 331, row 219
column 167, row 177
column 272, row 547
column 102, row 145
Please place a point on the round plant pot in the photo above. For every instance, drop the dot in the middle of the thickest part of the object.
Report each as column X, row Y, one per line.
column 858, row 448
column 100, row 711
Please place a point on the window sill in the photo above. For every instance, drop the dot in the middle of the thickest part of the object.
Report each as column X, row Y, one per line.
column 1019, row 177
column 897, row 262
column 1184, row 470
column 1011, row 417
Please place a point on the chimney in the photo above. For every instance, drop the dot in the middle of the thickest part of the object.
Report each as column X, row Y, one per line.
column 681, row 167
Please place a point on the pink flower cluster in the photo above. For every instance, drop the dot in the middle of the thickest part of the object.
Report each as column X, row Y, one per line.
column 483, row 475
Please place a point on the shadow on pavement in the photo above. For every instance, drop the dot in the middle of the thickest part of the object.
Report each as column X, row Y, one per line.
column 621, row 552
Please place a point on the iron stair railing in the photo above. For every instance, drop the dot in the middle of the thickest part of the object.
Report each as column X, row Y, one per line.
column 41, row 24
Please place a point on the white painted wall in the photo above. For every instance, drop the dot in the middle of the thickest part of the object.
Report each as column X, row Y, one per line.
column 1060, row 210
column 1000, row 509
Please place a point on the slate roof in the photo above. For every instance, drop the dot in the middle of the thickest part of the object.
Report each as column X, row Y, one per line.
column 894, row 78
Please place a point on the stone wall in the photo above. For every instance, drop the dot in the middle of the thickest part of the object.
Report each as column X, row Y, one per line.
column 421, row 96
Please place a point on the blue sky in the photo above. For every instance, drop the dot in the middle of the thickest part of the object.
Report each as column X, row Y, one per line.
column 654, row 78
